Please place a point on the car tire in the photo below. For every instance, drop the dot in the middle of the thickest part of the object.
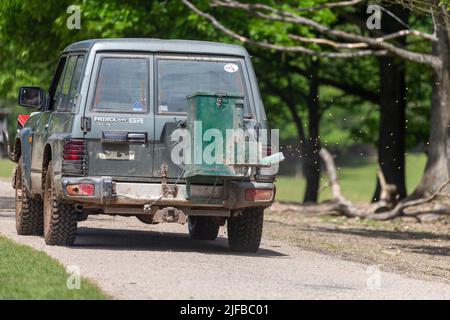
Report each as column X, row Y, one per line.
column 245, row 230
column 60, row 219
column 29, row 212
column 202, row 228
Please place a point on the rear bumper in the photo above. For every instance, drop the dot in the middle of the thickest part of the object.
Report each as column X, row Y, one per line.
column 107, row 192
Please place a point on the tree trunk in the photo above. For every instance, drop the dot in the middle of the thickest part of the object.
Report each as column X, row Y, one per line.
column 391, row 139
column 311, row 147
column 437, row 167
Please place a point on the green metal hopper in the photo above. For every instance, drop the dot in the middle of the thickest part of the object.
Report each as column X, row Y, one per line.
column 218, row 112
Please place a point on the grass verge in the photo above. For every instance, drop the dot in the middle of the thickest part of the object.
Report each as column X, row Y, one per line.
column 26, row 273
column 6, row 168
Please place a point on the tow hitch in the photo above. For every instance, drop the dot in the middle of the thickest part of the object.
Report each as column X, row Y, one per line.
column 167, row 214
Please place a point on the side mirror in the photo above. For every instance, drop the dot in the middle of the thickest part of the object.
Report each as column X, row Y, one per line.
column 31, row 97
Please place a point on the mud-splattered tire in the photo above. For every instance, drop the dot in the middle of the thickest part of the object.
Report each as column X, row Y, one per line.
column 29, row 212
column 202, row 228
column 60, row 219
column 245, row 230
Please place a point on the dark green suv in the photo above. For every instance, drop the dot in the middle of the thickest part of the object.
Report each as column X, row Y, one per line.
column 100, row 142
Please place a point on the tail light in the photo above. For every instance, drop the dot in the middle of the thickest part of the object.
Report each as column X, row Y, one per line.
column 258, row 194
column 74, row 158
column 82, row 189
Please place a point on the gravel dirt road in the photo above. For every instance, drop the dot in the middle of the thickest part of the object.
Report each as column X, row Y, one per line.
column 130, row 260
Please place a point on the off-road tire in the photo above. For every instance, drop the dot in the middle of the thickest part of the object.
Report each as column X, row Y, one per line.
column 29, row 212
column 202, row 228
column 245, row 230
column 60, row 219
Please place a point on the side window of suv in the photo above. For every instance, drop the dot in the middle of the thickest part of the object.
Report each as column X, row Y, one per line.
column 56, row 83
column 68, row 85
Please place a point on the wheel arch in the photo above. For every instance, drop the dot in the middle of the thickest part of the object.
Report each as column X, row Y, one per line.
column 17, row 151
column 46, row 158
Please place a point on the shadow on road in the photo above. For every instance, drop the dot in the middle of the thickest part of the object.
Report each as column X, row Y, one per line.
column 394, row 235
column 402, row 239
column 429, row 250
column 120, row 239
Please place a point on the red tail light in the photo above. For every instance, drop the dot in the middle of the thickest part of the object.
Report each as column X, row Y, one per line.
column 74, row 150
column 75, row 157
column 82, row 189
column 258, row 194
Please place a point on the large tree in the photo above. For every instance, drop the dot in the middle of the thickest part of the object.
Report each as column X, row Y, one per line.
column 350, row 44
column 391, row 139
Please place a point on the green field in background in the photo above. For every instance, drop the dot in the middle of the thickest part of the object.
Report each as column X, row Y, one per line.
column 6, row 168
column 357, row 181
column 26, row 273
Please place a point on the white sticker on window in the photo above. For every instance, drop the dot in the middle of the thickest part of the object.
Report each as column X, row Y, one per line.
column 163, row 108
column 231, row 67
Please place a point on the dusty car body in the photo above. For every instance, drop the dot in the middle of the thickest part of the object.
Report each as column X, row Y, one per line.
column 101, row 143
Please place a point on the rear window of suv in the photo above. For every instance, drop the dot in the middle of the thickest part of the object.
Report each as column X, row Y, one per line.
column 122, row 85
column 178, row 78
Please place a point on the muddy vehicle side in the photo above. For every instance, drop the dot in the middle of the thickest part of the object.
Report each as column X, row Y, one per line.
column 101, row 141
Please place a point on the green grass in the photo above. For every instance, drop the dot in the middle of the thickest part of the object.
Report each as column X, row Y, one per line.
column 26, row 273
column 357, row 181
column 6, row 168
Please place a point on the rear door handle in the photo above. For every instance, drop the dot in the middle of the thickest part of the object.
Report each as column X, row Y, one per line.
column 115, row 137
column 137, row 137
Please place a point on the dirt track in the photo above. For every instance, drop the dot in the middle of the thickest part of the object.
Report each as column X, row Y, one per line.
column 131, row 260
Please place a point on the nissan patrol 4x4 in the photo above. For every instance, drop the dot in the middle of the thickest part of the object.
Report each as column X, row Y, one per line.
column 101, row 141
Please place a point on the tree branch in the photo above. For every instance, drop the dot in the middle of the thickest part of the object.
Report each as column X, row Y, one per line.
column 334, row 44
column 224, row 3
column 379, row 45
column 347, row 208
column 297, row 49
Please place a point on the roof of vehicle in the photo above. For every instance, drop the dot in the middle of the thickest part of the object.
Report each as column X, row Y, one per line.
column 157, row 45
